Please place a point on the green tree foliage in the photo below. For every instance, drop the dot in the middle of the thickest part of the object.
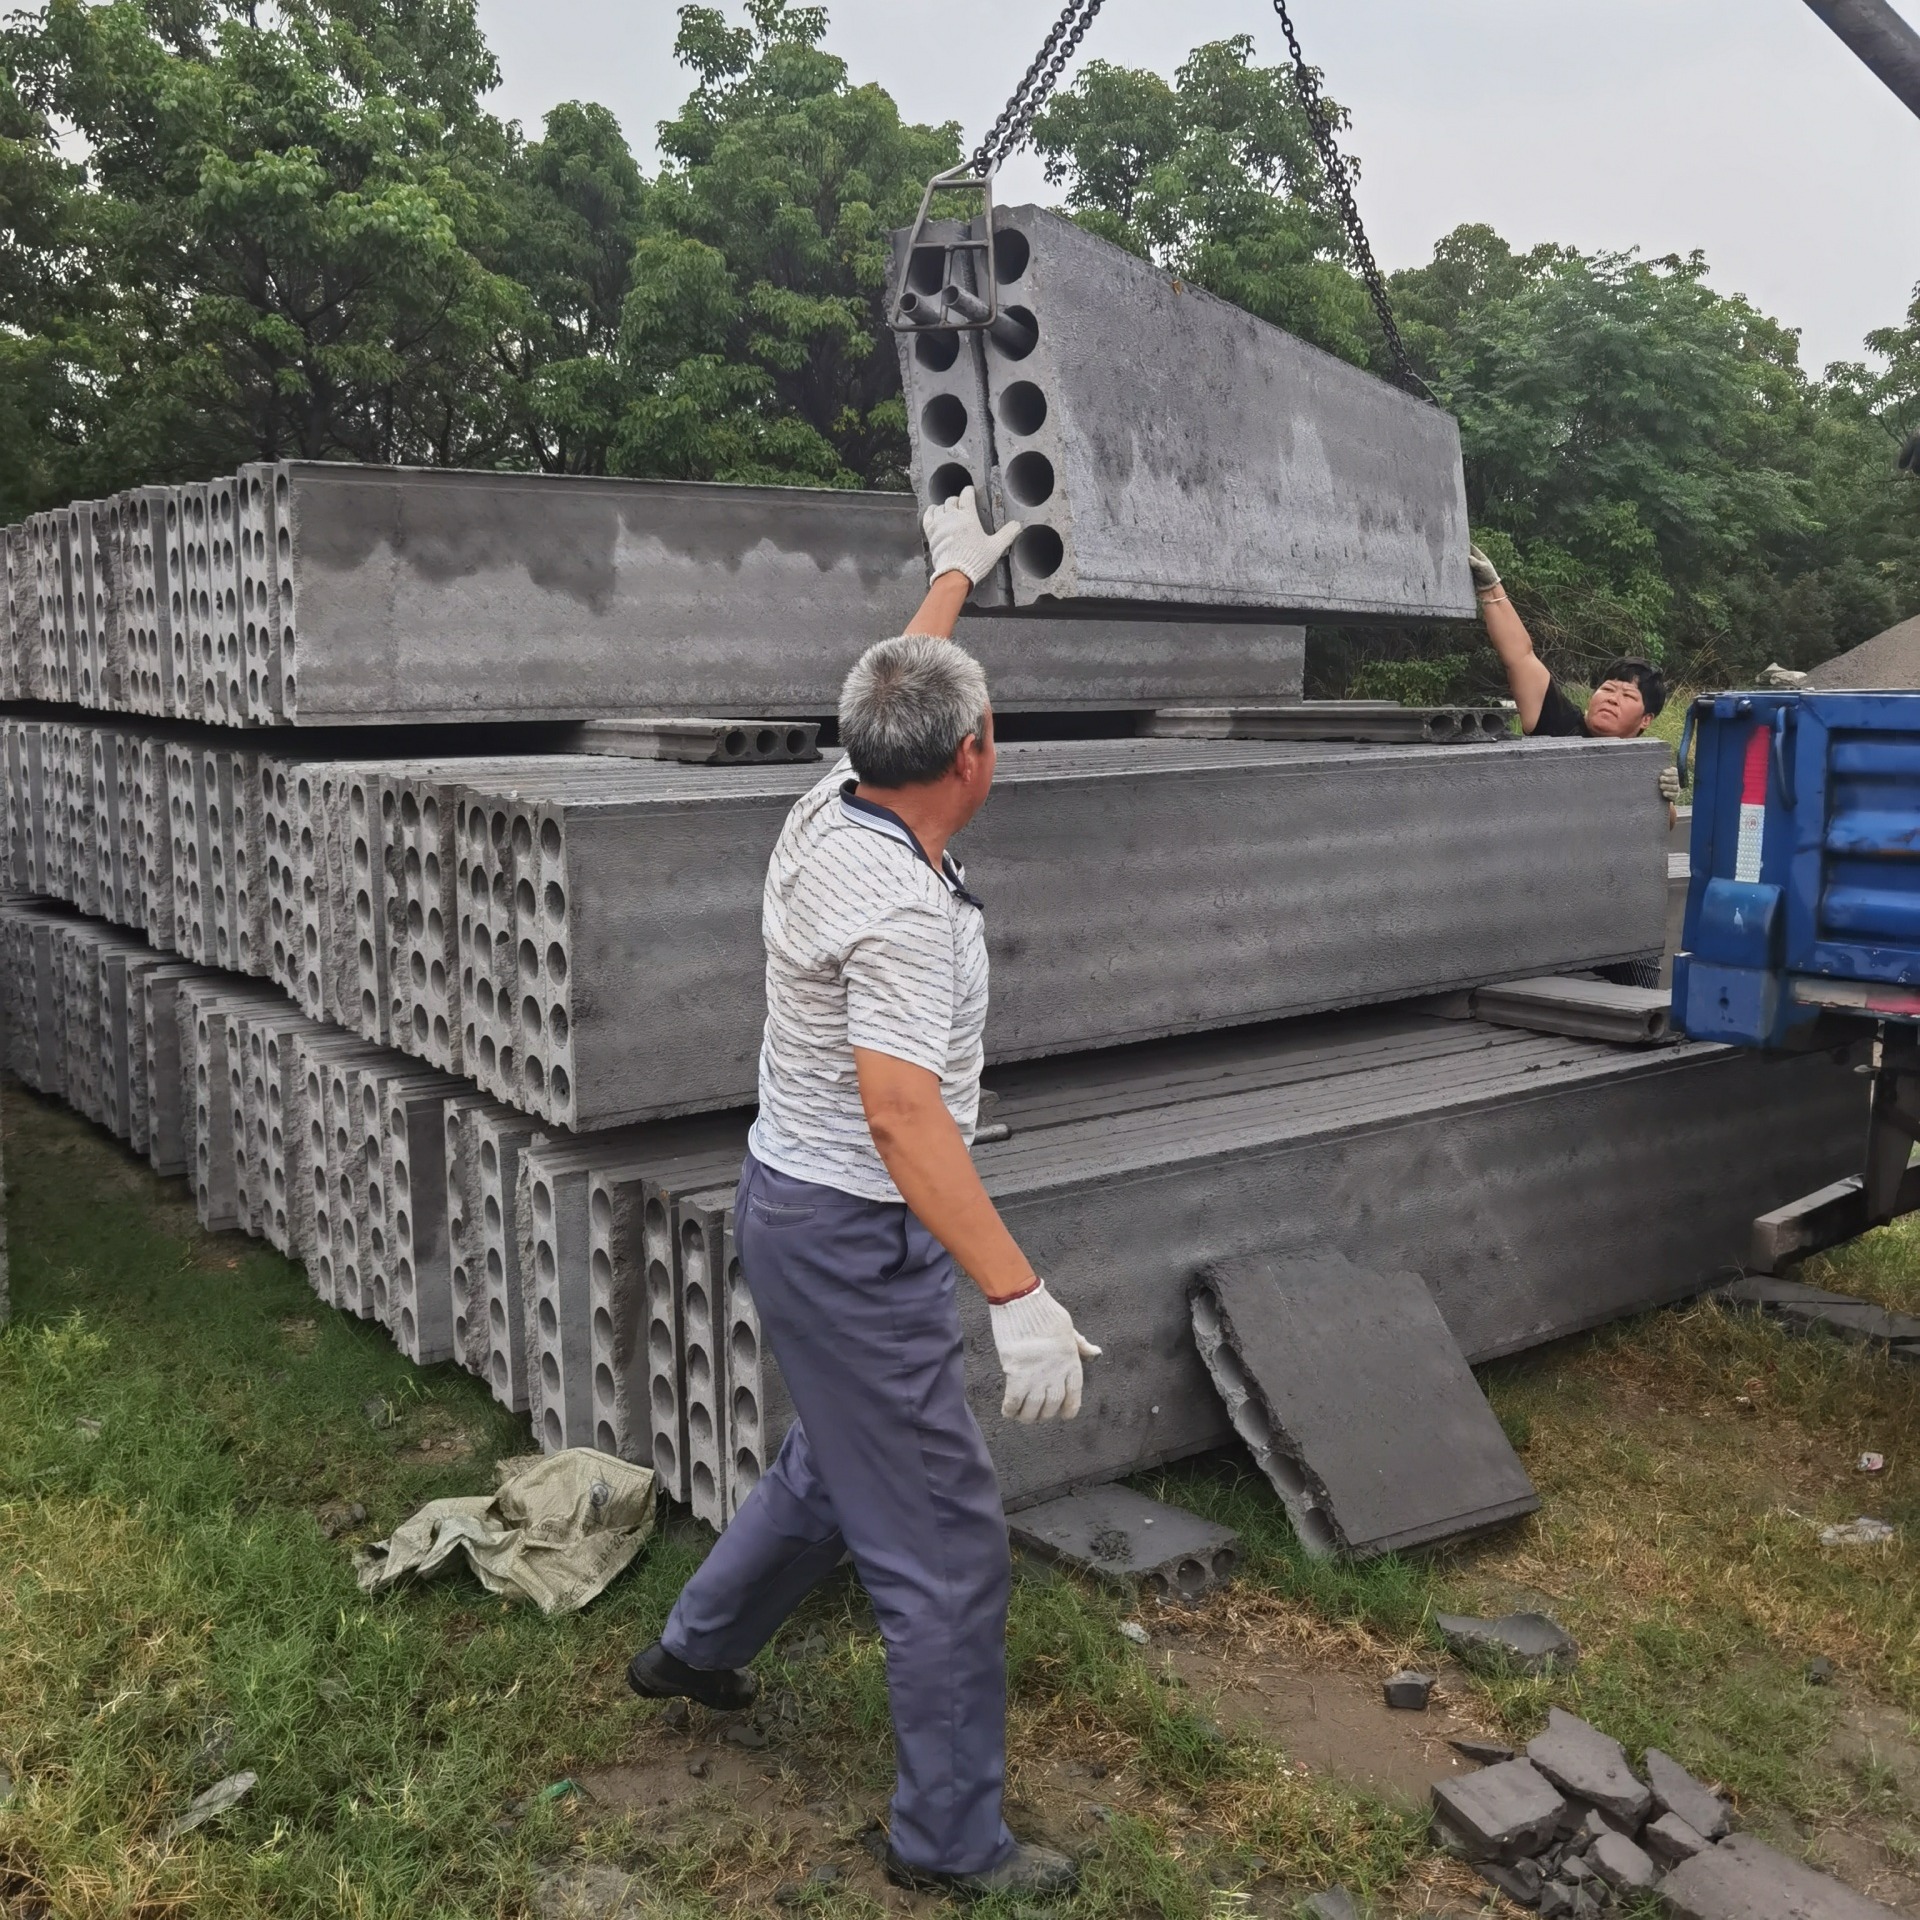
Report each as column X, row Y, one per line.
column 1651, row 466
column 275, row 247
column 753, row 343
column 1216, row 178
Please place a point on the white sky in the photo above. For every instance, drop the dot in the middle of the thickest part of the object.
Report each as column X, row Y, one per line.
column 1741, row 127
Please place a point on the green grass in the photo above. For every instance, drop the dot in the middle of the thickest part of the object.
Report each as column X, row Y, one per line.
column 173, row 1613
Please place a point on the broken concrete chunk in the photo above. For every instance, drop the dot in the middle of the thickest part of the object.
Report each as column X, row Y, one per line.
column 1408, row 1690
column 1529, row 1641
column 1821, row 1671
column 1119, row 1535
column 1499, row 1813
column 1576, row 1870
column 1581, row 1760
column 1483, row 1753
column 1671, row 1840
column 1556, row 1901
column 1624, row 1866
column 1744, row 1879
column 1676, row 1791
column 1592, row 1828
column 1520, row 1882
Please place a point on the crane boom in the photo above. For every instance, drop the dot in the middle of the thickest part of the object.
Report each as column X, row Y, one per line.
column 1881, row 40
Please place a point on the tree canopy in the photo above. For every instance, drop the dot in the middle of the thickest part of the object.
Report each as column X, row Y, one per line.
column 236, row 233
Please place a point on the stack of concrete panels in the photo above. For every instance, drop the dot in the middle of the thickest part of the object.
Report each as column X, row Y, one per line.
column 599, row 985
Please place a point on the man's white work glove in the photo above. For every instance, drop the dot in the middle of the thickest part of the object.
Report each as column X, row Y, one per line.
column 1486, row 576
column 957, row 543
column 1040, row 1352
column 1670, row 785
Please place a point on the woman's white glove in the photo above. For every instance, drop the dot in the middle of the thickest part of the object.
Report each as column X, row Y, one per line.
column 1486, row 576
column 1040, row 1351
column 1670, row 785
column 957, row 543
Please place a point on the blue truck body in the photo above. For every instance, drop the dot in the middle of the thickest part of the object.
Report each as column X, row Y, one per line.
column 1803, row 906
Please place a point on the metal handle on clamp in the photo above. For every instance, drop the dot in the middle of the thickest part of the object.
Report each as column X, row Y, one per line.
column 950, row 308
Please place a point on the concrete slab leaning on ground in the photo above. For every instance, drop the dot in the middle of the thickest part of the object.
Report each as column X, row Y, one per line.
column 1356, row 1403
column 1164, row 447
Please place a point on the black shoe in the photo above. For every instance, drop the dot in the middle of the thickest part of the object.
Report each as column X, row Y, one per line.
column 654, row 1674
column 1027, row 1869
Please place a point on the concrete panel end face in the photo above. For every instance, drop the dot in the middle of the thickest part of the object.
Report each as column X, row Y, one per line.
column 943, row 380
column 1124, row 1537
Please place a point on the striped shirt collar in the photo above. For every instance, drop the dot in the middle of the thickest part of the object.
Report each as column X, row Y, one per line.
column 878, row 819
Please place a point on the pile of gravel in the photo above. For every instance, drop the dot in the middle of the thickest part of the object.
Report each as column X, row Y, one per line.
column 1890, row 659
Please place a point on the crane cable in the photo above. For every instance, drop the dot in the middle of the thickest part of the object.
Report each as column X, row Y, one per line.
column 1010, row 132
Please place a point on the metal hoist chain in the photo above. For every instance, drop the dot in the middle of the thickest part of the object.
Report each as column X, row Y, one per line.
column 1010, row 131
column 1340, row 178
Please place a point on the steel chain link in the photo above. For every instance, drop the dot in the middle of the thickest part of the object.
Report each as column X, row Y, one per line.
column 1010, row 131
column 1009, row 134
column 1340, row 178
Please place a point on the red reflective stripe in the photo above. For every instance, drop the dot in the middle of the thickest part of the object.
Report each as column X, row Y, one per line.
column 1753, row 772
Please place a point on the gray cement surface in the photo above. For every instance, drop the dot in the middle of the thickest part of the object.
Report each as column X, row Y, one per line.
column 441, row 595
column 1124, row 1537
column 1162, row 446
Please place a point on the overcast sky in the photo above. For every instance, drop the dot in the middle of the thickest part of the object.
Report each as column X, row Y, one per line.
column 1741, row 127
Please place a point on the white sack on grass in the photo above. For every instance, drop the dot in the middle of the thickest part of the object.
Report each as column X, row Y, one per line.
column 555, row 1532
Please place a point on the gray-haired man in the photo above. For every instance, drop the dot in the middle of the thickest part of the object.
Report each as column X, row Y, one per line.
column 857, row 1198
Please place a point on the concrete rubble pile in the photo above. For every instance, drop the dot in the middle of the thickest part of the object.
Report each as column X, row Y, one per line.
column 468, row 1026
column 1570, row 1830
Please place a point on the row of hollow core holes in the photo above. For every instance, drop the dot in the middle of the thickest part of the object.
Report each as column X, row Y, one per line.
column 743, row 1364
column 1021, row 409
column 480, row 971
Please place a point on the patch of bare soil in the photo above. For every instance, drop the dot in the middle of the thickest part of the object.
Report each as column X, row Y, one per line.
column 674, row 1776
column 1330, row 1719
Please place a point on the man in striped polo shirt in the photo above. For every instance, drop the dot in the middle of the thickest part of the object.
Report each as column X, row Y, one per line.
column 857, row 1199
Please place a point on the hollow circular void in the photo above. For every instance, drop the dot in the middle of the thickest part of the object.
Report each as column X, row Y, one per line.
column 1040, row 550
column 1011, row 253
column 1022, row 408
column 948, row 483
column 927, row 269
column 1016, row 341
column 944, row 419
column 937, row 349
column 1030, row 479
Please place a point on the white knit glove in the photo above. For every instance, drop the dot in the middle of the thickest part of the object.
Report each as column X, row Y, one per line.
column 1040, row 1352
column 1670, row 785
column 1486, row 576
column 957, row 543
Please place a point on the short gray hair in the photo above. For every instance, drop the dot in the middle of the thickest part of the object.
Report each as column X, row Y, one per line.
column 907, row 705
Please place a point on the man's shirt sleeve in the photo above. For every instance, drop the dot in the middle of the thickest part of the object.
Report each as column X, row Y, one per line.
column 899, row 979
